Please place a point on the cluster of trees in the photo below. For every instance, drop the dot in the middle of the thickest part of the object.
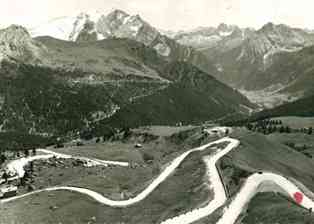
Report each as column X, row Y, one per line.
column 13, row 141
column 107, row 132
column 112, row 134
column 268, row 126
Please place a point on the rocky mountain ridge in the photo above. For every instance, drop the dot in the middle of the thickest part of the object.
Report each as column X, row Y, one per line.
column 16, row 44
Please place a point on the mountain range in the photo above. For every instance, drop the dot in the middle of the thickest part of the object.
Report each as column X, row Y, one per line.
column 125, row 72
column 244, row 58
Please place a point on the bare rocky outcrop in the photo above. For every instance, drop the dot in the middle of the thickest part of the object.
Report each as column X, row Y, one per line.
column 16, row 44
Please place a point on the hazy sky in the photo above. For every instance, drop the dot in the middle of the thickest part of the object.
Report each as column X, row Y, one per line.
column 168, row 14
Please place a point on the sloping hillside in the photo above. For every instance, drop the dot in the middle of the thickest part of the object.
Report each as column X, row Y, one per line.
column 106, row 59
column 294, row 71
column 302, row 107
column 43, row 100
column 192, row 97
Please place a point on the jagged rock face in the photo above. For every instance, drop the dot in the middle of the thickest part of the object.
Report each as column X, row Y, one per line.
column 84, row 28
column 88, row 33
column 107, row 25
column 271, row 39
column 17, row 44
column 211, row 37
column 121, row 25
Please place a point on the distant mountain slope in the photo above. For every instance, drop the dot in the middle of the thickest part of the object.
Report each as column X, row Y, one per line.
column 193, row 97
column 256, row 53
column 294, row 71
column 290, row 77
column 113, row 58
column 39, row 100
column 205, row 38
column 302, row 107
column 105, row 60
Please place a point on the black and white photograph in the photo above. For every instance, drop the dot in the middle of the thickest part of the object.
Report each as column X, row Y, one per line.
column 156, row 112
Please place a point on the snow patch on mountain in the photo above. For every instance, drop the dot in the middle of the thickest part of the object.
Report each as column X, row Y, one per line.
column 78, row 26
column 225, row 34
column 162, row 49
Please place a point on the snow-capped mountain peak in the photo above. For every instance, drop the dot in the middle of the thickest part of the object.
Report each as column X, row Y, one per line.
column 69, row 28
column 98, row 26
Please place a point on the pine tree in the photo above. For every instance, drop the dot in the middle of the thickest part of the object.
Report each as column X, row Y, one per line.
column 281, row 129
column 26, row 152
column 310, row 131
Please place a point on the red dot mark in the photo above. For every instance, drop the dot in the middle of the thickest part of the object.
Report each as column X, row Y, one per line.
column 298, row 197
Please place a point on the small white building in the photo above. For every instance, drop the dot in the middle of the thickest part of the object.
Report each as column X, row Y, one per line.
column 138, row 145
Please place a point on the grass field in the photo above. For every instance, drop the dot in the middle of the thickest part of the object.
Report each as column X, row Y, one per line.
column 257, row 152
column 269, row 208
column 302, row 142
column 163, row 130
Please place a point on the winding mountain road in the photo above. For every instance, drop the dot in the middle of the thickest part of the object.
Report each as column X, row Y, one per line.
column 156, row 182
column 262, row 182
